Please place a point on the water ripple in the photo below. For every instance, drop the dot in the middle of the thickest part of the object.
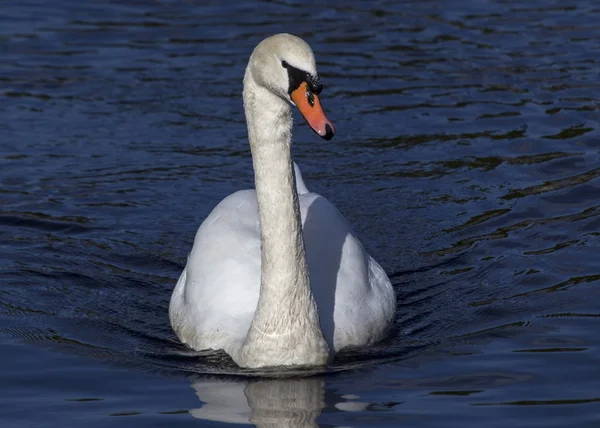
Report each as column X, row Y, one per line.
column 466, row 158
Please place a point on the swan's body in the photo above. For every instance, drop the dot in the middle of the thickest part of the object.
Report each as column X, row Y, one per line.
column 276, row 276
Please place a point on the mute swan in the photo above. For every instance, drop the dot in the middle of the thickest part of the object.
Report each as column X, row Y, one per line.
column 276, row 276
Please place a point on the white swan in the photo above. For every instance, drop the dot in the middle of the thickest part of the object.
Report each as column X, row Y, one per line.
column 276, row 276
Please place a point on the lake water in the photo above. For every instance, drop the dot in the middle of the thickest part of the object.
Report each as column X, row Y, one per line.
column 466, row 157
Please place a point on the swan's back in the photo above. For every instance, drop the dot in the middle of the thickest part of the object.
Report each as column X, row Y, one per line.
column 217, row 294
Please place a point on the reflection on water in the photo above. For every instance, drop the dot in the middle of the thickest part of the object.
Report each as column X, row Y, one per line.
column 300, row 402
column 265, row 403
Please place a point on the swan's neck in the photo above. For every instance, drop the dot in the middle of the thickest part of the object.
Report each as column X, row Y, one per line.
column 285, row 329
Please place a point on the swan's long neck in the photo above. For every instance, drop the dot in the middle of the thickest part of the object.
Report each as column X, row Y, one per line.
column 285, row 329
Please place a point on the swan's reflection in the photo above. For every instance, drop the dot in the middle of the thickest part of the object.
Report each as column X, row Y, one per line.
column 265, row 402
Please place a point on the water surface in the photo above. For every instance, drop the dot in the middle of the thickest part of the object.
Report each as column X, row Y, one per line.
column 466, row 158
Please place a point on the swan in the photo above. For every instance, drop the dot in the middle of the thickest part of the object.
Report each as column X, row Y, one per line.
column 276, row 276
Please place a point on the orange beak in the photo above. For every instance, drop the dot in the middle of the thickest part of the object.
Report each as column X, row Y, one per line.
column 309, row 105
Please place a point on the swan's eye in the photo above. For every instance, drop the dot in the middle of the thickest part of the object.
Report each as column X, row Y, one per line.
column 310, row 98
column 284, row 64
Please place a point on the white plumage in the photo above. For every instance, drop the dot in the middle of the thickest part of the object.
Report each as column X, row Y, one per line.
column 313, row 289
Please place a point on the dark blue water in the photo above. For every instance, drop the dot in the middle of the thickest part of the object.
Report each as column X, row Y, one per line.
column 467, row 159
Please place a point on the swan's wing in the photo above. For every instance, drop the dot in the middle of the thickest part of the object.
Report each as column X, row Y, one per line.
column 354, row 295
column 216, row 296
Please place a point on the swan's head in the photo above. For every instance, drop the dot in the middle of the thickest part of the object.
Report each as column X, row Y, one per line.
column 285, row 65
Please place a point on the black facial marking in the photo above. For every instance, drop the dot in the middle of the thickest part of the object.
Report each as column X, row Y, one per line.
column 314, row 84
column 297, row 76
